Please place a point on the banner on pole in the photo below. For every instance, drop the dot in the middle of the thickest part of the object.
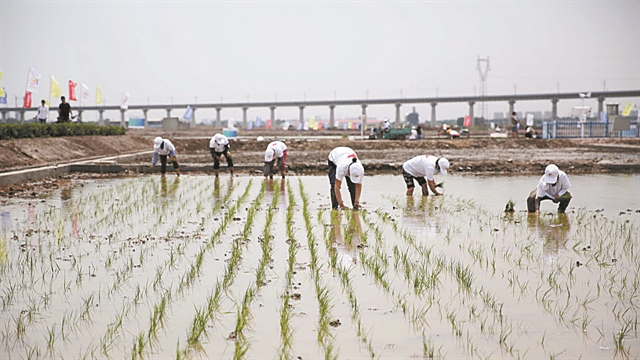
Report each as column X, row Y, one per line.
column 55, row 88
column 124, row 104
column 27, row 100
column 72, row 90
column 84, row 94
column 467, row 121
column 3, row 96
column 33, row 79
column 188, row 114
column 98, row 95
column 627, row 109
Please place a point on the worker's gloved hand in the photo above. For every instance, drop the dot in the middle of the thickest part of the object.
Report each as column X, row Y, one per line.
column 174, row 159
column 229, row 153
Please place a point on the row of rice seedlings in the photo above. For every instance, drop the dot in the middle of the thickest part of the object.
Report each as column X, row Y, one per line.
column 147, row 339
column 413, row 273
column 136, row 299
column 286, row 331
column 344, row 273
column 323, row 296
column 236, row 249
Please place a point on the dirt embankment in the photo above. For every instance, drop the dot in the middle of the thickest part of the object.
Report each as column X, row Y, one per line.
column 309, row 155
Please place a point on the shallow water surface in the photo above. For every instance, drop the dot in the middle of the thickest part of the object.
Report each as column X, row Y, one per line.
column 247, row 268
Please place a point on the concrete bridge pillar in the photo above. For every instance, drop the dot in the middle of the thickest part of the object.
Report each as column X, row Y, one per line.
column 332, row 119
column 398, row 113
column 244, row 117
column 146, row 118
column 301, row 115
column 22, row 116
column 511, row 107
column 554, row 109
column 122, row 122
column 364, row 117
column 433, row 114
column 273, row 116
column 218, row 120
column 101, row 117
column 80, row 115
column 600, row 107
column 168, row 113
column 473, row 120
column 4, row 116
column 192, row 124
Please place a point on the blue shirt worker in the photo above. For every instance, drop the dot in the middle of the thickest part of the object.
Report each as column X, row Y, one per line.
column 554, row 185
column 219, row 146
column 163, row 148
column 344, row 164
column 275, row 157
column 421, row 167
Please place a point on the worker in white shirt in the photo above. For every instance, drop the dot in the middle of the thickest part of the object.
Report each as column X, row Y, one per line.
column 554, row 186
column 275, row 157
column 421, row 167
column 163, row 148
column 219, row 146
column 343, row 163
column 43, row 112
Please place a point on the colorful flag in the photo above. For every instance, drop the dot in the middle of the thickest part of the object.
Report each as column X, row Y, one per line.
column 124, row 104
column 84, row 94
column 188, row 114
column 627, row 109
column 98, row 95
column 55, row 90
column 27, row 100
column 72, row 90
column 3, row 96
column 32, row 81
column 312, row 123
column 269, row 123
column 467, row 121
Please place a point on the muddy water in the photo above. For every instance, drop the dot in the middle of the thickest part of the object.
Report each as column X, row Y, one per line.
column 450, row 276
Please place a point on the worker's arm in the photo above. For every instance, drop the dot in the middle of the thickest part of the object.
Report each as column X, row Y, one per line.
column 356, row 205
column 339, row 195
column 432, row 186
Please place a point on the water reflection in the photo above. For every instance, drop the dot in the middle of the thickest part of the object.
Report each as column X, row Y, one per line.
column 216, row 188
column 553, row 232
column 422, row 217
column 345, row 247
column 5, row 220
column 165, row 189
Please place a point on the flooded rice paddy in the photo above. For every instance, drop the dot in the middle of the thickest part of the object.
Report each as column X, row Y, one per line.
column 197, row 267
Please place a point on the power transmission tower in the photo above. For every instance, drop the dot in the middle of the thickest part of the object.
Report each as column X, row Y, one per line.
column 483, row 71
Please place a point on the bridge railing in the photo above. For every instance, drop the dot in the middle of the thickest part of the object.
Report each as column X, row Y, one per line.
column 590, row 129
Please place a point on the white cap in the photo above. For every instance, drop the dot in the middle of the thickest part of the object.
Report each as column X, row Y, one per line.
column 550, row 174
column 156, row 142
column 269, row 154
column 356, row 172
column 443, row 164
column 218, row 138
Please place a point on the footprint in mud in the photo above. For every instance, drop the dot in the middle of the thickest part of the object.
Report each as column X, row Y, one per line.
column 335, row 323
column 296, row 296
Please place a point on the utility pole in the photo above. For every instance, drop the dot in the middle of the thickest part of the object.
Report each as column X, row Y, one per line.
column 483, row 70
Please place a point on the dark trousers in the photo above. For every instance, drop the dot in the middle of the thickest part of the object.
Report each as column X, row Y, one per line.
column 42, row 121
column 332, row 180
column 563, row 201
column 216, row 158
column 163, row 164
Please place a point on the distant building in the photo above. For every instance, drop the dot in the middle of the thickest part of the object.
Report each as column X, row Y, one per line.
column 413, row 118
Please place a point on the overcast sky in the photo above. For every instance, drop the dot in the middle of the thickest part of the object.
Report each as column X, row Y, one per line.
column 205, row 51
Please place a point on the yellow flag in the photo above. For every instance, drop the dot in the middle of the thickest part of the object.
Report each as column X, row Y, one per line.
column 1, row 88
column 627, row 109
column 55, row 88
column 1, row 75
column 98, row 95
column 312, row 123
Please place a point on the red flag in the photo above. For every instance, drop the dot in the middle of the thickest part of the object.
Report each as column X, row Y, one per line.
column 269, row 122
column 72, row 90
column 467, row 121
column 27, row 100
